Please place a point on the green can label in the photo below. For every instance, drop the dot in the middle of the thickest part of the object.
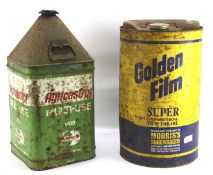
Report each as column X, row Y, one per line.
column 52, row 118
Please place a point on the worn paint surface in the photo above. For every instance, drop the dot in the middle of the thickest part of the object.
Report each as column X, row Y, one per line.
column 52, row 118
column 159, row 96
column 51, row 97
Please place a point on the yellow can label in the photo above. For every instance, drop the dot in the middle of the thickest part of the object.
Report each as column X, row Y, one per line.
column 160, row 83
column 160, row 92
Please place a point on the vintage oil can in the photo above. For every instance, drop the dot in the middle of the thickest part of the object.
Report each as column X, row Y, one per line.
column 160, row 64
column 51, row 96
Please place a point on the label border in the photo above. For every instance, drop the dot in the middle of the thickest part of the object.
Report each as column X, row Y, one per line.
column 158, row 156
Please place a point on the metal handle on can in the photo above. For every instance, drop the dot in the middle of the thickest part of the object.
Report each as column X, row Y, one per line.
column 61, row 50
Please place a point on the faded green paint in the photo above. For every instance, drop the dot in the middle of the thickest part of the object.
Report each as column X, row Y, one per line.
column 42, row 148
column 55, row 71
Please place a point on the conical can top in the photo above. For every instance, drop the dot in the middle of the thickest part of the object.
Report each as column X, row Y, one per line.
column 49, row 42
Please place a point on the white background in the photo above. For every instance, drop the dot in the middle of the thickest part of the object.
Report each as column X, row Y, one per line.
column 96, row 24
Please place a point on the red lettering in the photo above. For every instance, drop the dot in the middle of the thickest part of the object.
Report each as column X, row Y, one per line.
column 54, row 97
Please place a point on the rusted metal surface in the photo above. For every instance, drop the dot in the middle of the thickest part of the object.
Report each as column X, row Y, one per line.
column 51, row 80
column 35, row 47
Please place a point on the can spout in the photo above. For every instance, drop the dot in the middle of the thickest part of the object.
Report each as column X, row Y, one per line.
column 48, row 12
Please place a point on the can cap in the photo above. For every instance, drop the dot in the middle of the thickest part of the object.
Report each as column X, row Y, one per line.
column 159, row 26
column 48, row 12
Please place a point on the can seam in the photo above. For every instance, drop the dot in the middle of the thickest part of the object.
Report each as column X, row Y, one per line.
column 161, row 42
column 44, row 65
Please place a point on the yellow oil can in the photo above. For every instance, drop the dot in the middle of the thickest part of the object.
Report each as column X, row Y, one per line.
column 160, row 64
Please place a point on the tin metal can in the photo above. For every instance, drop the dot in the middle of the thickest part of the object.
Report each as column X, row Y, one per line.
column 160, row 63
column 51, row 86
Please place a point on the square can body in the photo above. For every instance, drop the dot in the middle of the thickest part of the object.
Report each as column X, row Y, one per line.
column 52, row 113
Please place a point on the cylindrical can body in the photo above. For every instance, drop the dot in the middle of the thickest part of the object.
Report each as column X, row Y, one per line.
column 159, row 96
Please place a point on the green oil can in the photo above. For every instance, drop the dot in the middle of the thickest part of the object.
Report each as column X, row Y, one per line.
column 51, row 96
